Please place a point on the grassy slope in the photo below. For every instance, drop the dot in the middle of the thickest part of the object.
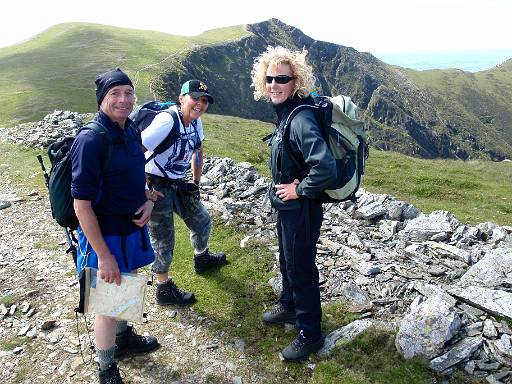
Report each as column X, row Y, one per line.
column 482, row 97
column 55, row 76
column 475, row 191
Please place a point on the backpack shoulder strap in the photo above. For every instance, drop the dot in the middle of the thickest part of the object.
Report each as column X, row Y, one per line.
column 103, row 132
column 286, row 136
column 171, row 138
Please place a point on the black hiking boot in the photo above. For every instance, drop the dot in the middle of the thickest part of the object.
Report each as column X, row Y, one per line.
column 169, row 294
column 129, row 343
column 299, row 349
column 279, row 315
column 207, row 260
column 110, row 375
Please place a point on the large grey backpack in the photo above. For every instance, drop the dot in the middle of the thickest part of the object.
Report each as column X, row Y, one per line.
column 344, row 133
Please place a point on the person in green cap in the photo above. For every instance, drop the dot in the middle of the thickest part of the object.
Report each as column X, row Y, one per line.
column 165, row 173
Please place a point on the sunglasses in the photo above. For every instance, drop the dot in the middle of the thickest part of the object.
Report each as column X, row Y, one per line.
column 280, row 79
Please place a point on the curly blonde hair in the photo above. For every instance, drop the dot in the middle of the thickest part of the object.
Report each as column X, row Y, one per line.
column 275, row 56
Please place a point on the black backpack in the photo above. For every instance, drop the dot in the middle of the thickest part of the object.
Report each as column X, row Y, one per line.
column 345, row 136
column 59, row 182
column 143, row 115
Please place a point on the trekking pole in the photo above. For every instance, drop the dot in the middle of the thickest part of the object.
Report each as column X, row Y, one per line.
column 71, row 239
column 46, row 177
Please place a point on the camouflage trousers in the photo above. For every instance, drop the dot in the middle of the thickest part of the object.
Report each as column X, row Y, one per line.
column 161, row 225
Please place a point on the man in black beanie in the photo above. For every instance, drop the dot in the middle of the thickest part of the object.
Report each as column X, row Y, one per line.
column 113, row 208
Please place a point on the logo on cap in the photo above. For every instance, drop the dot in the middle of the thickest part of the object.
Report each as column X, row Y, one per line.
column 202, row 86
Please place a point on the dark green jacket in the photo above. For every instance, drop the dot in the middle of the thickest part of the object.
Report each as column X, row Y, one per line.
column 318, row 167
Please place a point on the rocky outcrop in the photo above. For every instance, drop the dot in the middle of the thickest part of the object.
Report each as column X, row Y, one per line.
column 41, row 134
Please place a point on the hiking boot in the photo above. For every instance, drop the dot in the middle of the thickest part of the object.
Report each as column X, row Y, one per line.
column 169, row 294
column 129, row 343
column 279, row 315
column 299, row 349
column 207, row 260
column 110, row 375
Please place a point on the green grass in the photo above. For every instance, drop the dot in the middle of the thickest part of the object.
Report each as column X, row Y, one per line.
column 46, row 244
column 475, row 191
column 8, row 300
column 12, row 342
column 20, row 166
column 238, row 139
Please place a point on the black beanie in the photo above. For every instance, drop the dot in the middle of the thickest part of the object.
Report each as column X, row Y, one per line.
column 110, row 79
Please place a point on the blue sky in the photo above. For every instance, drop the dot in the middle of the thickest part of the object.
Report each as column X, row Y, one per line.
column 375, row 26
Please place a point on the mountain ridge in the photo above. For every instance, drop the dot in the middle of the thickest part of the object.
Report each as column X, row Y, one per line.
column 434, row 113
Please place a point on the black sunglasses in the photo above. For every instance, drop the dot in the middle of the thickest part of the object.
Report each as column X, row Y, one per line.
column 280, row 79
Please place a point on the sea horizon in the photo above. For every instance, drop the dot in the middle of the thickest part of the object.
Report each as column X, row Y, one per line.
column 469, row 61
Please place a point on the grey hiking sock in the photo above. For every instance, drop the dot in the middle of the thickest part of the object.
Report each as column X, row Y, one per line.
column 105, row 357
column 121, row 326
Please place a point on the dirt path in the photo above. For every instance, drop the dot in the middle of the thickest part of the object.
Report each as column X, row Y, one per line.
column 37, row 276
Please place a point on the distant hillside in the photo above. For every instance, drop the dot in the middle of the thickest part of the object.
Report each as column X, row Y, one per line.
column 56, row 69
column 450, row 114
column 403, row 109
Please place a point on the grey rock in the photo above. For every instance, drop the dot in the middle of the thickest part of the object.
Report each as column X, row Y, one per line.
column 370, row 211
column 485, row 366
column 489, row 330
column 367, row 269
column 240, row 344
column 430, row 290
column 17, row 350
column 496, row 302
column 5, row 204
column 395, row 209
column 425, row 227
column 388, row 228
column 277, row 284
column 410, row 212
column 23, row 331
column 469, row 367
column 504, row 345
column 490, row 270
column 354, row 294
column 446, row 250
column 346, row 333
column 426, row 328
column 459, row 352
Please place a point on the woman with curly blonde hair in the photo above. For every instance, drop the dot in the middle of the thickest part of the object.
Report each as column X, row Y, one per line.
column 302, row 166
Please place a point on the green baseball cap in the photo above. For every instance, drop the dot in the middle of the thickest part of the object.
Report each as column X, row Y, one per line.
column 196, row 88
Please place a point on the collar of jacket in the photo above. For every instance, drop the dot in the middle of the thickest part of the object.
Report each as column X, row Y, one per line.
column 284, row 109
